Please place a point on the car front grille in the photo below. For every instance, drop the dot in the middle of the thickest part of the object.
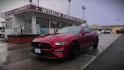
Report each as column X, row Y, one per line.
column 41, row 45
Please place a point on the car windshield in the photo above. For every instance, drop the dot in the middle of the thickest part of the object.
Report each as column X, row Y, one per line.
column 70, row 29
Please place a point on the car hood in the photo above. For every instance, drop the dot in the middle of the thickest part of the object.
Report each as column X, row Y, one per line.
column 53, row 38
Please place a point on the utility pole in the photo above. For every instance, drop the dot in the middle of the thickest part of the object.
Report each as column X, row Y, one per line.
column 83, row 8
column 69, row 6
column 38, row 2
column 55, row 28
column 30, row 1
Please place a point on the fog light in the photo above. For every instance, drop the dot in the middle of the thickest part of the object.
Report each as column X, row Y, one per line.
column 58, row 50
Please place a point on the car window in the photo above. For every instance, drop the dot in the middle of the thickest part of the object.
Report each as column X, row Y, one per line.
column 86, row 29
column 70, row 29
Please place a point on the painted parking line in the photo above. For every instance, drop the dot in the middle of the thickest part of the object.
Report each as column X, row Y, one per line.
column 83, row 67
column 88, row 55
column 108, row 43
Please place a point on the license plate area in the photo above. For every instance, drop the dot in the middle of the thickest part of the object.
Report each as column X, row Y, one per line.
column 37, row 50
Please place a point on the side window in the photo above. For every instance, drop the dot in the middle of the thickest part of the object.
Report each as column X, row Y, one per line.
column 9, row 22
column 87, row 29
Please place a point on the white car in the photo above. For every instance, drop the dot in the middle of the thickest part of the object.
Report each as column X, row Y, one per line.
column 98, row 32
column 107, row 31
column 1, row 33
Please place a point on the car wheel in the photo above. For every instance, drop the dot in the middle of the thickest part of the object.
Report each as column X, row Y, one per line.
column 96, row 43
column 74, row 52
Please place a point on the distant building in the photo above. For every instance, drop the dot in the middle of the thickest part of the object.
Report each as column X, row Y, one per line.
column 32, row 19
column 113, row 28
column 95, row 26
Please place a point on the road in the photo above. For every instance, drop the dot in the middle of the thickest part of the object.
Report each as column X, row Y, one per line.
column 111, row 59
column 19, row 57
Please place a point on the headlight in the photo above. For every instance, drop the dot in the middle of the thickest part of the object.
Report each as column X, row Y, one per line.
column 34, row 40
column 60, row 43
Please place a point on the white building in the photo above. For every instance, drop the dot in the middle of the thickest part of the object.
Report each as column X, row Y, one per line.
column 32, row 19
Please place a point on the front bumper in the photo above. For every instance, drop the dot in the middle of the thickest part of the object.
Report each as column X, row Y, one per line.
column 52, row 53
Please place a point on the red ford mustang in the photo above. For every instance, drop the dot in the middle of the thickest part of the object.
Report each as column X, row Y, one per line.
column 66, row 43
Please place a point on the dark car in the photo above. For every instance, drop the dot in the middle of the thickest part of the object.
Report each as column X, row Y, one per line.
column 120, row 31
column 66, row 43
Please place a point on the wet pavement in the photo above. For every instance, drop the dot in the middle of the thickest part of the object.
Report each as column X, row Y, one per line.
column 111, row 59
column 19, row 57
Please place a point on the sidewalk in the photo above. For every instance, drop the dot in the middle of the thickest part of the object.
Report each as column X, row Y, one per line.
column 11, row 47
column 111, row 59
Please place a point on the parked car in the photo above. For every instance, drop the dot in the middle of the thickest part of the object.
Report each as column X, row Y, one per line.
column 1, row 34
column 120, row 31
column 107, row 31
column 99, row 32
column 66, row 43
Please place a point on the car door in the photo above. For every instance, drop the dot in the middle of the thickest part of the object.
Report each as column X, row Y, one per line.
column 90, row 37
column 87, row 37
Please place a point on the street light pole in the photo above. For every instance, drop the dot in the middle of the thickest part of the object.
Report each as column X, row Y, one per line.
column 117, row 21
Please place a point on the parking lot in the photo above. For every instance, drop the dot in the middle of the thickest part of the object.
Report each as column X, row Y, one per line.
column 19, row 57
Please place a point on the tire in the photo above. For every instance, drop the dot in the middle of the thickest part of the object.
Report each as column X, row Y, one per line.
column 96, row 43
column 74, row 50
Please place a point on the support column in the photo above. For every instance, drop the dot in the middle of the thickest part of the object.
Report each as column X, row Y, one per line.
column 49, row 25
column 60, row 24
column 34, row 29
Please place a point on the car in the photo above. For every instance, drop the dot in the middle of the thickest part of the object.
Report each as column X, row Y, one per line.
column 120, row 31
column 67, row 43
column 107, row 31
column 98, row 32
column 1, row 34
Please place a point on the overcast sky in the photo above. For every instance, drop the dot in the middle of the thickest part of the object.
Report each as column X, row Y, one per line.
column 103, row 12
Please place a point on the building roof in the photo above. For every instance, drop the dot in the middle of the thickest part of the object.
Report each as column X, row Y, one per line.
column 31, row 7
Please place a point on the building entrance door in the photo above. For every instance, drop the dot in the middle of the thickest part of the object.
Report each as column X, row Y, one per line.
column 28, row 26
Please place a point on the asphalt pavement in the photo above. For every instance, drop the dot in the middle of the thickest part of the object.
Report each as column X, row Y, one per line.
column 111, row 59
column 19, row 57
